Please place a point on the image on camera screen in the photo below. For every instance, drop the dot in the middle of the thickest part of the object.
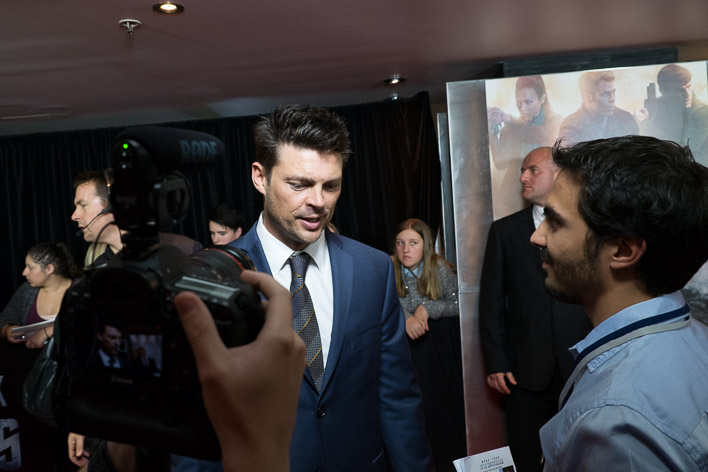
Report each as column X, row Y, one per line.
column 137, row 350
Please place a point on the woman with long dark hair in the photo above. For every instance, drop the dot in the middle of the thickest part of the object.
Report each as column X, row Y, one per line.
column 49, row 270
column 511, row 138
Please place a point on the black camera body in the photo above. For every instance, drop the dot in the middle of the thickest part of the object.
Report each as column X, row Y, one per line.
column 128, row 372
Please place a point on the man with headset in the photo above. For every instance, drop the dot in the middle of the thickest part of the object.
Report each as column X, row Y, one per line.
column 95, row 220
column 93, row 215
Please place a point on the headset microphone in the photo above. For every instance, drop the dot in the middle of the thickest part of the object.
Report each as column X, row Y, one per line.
column 102, row 212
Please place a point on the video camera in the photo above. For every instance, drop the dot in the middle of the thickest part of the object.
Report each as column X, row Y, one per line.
column 128, row 372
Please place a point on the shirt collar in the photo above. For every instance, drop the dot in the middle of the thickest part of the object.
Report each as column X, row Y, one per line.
column 277, row 253
column 415, row 272
column 629, row 315
column 108, row 360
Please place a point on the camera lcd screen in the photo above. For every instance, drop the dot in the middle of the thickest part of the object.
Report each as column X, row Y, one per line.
column 134, row 349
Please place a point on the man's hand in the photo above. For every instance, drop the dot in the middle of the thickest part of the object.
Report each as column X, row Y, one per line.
column 497, row 382
column 251, row 391
column 77, row 455
column 496, row 116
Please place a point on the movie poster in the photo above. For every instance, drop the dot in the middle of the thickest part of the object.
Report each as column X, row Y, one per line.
column 667, row 101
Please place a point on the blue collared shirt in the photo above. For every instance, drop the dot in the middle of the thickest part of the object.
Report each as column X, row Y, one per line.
column 642, row 405
column 415, row 272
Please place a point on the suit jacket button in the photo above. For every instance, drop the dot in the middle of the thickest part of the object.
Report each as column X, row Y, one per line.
column 321, row 412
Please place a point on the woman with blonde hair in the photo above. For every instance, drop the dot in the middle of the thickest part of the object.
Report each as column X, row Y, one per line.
column 426, row 282
column 427, row 289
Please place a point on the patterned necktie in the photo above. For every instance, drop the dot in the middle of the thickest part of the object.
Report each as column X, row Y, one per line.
column 304, row 319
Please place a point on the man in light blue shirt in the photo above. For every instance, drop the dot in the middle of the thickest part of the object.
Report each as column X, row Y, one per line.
column 626, row 227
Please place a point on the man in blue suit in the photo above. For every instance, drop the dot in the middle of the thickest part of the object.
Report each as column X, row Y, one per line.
column 364, row 412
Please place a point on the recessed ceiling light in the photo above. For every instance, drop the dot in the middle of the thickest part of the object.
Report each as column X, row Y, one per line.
column 168, row 8
column 394, row 79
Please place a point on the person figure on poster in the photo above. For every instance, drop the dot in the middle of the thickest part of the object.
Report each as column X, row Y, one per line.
column 225, row 224
column 427, row 288
column 678, row 114
column 525, row 334
column 598, row 116
column 626, row 227
column 50, row 270
column 360, row 406
column 511, row 138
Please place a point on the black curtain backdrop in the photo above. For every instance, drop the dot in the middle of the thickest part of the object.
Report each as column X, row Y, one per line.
column 393, row 174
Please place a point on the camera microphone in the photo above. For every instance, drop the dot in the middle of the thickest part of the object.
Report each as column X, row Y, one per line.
column 174, row 149
column 102, row 212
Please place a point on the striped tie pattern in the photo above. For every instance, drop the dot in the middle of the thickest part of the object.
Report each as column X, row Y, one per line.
column 304, row 319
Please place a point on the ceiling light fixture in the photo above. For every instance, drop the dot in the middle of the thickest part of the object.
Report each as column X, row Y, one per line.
column 394, row 80
column 130, row 24
column 168, row 8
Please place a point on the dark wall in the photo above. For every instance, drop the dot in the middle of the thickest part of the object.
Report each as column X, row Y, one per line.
column 394, row 174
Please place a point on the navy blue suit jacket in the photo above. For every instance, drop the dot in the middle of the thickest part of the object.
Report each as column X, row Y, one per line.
column 368, row 416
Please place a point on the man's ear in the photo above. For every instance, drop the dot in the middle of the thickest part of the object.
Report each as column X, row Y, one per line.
column 258, row 176
column 627, row 252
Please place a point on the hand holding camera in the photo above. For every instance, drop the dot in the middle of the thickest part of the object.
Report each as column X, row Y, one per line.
column 250, row 391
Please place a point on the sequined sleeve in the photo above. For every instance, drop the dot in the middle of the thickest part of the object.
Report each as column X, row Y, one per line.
column 445, row 305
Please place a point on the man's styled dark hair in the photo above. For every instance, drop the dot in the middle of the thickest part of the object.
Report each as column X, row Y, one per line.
column 226, row 215
column 643, row 187
column 102, row 180
column 301, row 126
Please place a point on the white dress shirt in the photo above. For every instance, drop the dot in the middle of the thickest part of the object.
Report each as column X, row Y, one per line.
column 318, row 278
column 538, row 215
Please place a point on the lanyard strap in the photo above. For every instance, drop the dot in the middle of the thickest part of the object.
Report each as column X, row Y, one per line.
column 619, row 337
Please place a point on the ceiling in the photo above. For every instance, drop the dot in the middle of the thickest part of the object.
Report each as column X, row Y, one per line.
column 69, row 64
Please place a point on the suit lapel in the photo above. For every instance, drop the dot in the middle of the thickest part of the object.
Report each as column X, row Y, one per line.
column 342, row 279
column 252, row 245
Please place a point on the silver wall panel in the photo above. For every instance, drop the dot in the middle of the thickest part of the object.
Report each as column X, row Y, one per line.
column 448, row 217
column 472, row 214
